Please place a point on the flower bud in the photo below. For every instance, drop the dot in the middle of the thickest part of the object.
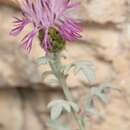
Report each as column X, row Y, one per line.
column 56, row 40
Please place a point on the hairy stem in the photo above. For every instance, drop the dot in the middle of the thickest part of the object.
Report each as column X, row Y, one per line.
column 56, row 65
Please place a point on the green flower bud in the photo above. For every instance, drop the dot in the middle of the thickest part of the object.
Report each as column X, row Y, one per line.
column 56, row 40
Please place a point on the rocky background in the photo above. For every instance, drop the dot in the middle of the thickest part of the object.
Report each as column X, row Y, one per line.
column 105, row 42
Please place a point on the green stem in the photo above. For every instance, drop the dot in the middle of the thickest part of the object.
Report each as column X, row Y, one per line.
column 56, row 65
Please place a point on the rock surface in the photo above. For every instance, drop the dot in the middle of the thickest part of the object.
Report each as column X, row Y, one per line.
column 105, row 42
column 102, row 11
column 15, row 68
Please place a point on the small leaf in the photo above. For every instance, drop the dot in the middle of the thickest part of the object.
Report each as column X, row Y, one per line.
column 53, row 103
column 66, row 106
column 57, row 106
column 99, row 92
column 56, row 111
column 102, row 90
column 86, row 68
column 42, row 60
column 104, row 98
column 104, row 87
column 74, row 106
column 89, row 73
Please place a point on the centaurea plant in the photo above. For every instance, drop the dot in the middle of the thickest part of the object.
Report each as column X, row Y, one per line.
column 54, row 28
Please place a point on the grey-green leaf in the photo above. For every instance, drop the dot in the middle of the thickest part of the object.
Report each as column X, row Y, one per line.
column 74, row 106
column 66, row 106
column 103, row 97
column 53, row 103
column 105, row 86
column 57, row 106
column 42, row 60
column 101, row 93
column 56, row 112
column 89, row 73
column 86, row 68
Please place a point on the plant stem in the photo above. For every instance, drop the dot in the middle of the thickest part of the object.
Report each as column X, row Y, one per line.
column 56, row 66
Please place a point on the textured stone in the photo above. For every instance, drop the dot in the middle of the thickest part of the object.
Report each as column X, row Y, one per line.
column 10, row 110
column 13, row 3
column 15, row 67
column 103, row 11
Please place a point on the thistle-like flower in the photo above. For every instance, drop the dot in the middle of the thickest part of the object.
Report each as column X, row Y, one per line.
column 49, row 20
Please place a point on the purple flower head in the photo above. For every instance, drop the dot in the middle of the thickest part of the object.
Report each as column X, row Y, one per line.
column 45, row 14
